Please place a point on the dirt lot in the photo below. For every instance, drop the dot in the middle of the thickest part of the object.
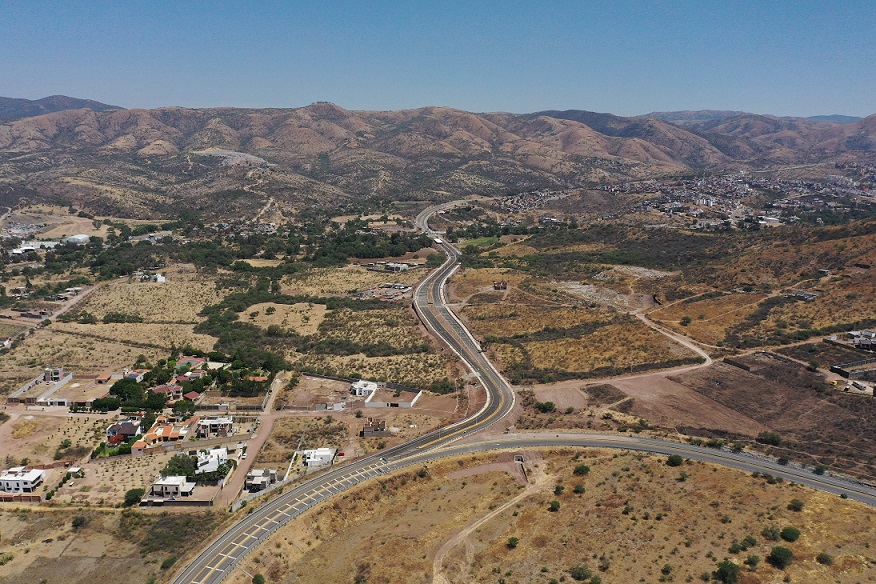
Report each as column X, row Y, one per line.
column 36, row 437
column 816, row 425
column 636, row 520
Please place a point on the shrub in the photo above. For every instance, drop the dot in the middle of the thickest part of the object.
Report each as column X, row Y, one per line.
column 512, row 542
column 780, row 557
column 554, row 506
column 581, row 470
column 258, row 579
column 167, row 563
column 795, row 505
column 770, row 438
column 824, row 558
column 771, row 532
column 580, row 572
column 579, row 489
column 558, row 490
column 79, row 521
column 674, row 460
column 790, row 534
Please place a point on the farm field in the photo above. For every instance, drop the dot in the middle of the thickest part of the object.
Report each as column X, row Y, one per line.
column 633, row 519
column 816, row 425
column 346, row 280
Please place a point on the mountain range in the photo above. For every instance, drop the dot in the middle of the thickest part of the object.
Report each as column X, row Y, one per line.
column 142, row 162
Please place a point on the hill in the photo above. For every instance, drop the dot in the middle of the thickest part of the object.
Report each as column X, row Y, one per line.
column 141, row 162
column 12, row 108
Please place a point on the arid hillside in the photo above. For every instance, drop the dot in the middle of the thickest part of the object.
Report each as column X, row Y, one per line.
column 146, row 162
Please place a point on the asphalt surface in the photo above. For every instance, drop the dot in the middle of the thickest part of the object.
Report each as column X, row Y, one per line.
column 219, row 558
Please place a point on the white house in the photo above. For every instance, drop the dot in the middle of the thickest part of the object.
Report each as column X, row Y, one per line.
column 174, row 486
column 209, row 460
column 21, row 480
column 258, row 479
column 318, row 456
column 215, row 426
column 363, row 388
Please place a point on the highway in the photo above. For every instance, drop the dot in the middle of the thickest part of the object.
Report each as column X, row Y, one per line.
column 218, row 559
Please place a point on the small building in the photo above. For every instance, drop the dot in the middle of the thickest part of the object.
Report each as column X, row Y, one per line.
column 374, row 427
column 319, row 456
column 173, row 486
column 258, row 479
column 172, row 391
column 135, row 374
column 363, row 388
column 20, row 479
column 78, row 239
column 125, row 428
column 192, row 396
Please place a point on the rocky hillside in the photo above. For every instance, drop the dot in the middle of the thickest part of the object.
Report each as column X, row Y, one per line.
column 146, row 162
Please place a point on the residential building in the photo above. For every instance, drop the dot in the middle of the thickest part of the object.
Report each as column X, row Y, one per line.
column 209, row 460
column 363, row 388
column 173, row 486
column 126, row 428
column 20, row 479
column 215, row 426
column 318, row 456
column 259, row 479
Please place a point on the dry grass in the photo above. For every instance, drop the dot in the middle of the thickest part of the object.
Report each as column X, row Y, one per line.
column 469, row 282
column 505, row 320
column 36, row 437
column 617, row 346
column 303, row 318
column 80, row 355
column 173, row 301
column 710, row 317
column 345, row 280
column 635, row 517
column 417, row 370
column 161, row 335
column 394, row 326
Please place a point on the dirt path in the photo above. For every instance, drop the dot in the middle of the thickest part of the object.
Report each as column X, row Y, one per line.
column 682, row 340
column 539, row 480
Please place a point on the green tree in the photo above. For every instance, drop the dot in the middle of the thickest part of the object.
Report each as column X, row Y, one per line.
column 180, row 465
column 558, row 490
column 780, row 557
column 795, row 505
column 512, row 542
column 79, row 522
column 581, row 470
column 133, row 496
column 554, row 506
column 727, row 572
column 258, row 579
column 580, row 572
column 752, row 561
column 685, row 320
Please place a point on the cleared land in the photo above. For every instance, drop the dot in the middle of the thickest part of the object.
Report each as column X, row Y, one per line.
column 635, row 517
column 816, row 424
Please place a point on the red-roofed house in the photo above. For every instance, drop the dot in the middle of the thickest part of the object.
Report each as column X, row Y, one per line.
column 192, row 396
column 172, row 391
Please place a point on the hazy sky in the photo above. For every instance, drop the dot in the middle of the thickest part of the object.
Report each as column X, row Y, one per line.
column 793, row 57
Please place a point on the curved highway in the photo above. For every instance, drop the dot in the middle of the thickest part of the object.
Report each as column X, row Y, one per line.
column 217, row 560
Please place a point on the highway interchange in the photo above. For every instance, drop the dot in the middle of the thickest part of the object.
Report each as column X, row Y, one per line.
column 219, row 558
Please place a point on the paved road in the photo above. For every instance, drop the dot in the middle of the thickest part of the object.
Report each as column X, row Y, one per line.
column 219, row 558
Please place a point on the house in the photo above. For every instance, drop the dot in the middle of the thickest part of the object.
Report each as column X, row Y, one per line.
column 172, row 391
column 125, row 428
column 318, row 456
column 192, row 396
column 363, row 388
column 173, row 486
column 161, row 432
column 136, row 374
column 102, row 379
column 21, row 480
column 209, row 460
column 215, row 426
column 258, row 479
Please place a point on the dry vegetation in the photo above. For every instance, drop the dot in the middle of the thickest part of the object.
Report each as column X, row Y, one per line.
column 140, row 334
column 180, row 299
column 635, row 517
column 45, row 547
column 303, row 318
column 345, row 280
column 417, row 370
column 291, row 434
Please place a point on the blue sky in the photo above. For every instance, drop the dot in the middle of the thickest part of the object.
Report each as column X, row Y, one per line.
column 625, row 57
